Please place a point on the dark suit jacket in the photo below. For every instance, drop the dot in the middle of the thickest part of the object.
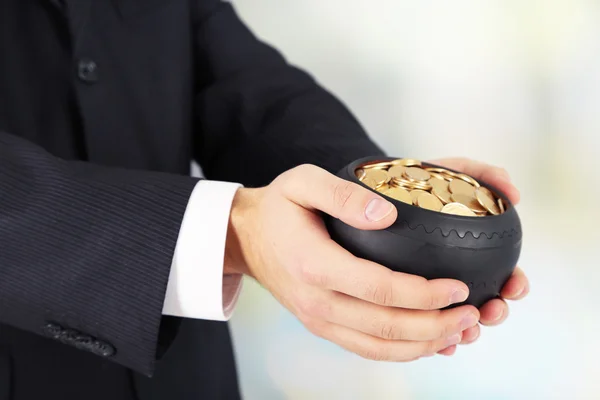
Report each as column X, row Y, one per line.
column 103, row 104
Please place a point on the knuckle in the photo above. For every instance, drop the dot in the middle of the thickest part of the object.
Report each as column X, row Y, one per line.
column 391, row 331
column 433, row 346
column 432, row 300
column 430, row 347
column 375, row 353
column 286, row 179
column 445, row 329
column 342, row 192
column 381, row 293
column 428, row 301
column 314, row 326
column 308, row 273
column 305, row 169
column 313, row 308
column 313, row 277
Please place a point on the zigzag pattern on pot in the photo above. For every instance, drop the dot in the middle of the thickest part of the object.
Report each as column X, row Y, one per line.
column 489, row 236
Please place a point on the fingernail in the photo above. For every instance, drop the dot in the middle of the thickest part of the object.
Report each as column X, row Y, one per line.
column 378, row 209
column 521, row 293
column 454, row 339
column 468, row 321
column 447, row 355
column 499, row 316
column 458, row 296
column 476, row 337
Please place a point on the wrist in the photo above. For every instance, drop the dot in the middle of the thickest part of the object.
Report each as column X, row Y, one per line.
column 242, row 207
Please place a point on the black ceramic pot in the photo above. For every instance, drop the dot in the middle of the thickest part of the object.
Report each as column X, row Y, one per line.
column 480, row 251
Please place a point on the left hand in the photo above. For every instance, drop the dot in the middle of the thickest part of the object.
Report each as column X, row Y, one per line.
column 495, row 311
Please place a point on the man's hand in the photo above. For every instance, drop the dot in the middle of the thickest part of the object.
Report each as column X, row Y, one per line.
column 495, row 311
column 277, row 236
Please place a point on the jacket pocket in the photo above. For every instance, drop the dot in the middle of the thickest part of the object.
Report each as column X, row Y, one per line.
column 5, row 372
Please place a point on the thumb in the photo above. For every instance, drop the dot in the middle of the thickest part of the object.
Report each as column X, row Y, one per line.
column 316, row 189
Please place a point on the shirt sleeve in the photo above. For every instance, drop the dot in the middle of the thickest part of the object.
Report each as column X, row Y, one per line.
column 197, row 287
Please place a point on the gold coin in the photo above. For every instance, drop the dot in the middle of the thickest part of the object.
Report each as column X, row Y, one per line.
column 360, row 173
column 468, row 179
column 435, row 169
column 433, row 188
column 438, row 183
column 468, row 201
column 383, row 187
column 416, row 174
column 443, row 195
column 487, row 202
column 458, row 186
column 416, row 193
column 407, row 162
column 486, row 191
column 425, row 186
column 377, row 165
column 448, row 175
column 429, row 202
column 399, row 194
column 458, row 209
column 480, row 213
column 370, row 182
column 414, row 183
column 380, row 176
column 411, row 185
column 395, row 183
column 396, row 171
column 436, row 175
column 501, row 205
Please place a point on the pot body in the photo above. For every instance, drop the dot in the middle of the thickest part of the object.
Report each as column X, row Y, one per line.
column 480, row 251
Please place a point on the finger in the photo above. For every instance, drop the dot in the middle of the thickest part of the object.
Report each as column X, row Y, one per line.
column 314, row 188
column 448, row 351
column 517, row 286
column 495, row 176
column 494, row 312
column 374, row 348
column 390, row 322
column 471, row 334
column 329, row 266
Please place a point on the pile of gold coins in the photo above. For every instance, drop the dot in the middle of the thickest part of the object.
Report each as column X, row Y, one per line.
column 435, row 189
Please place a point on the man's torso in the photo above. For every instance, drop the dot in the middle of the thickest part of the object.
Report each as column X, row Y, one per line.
column 110, row 82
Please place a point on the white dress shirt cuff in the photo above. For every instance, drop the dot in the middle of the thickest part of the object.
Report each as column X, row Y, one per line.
column 197, row 287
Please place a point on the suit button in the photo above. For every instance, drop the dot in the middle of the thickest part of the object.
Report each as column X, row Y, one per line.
column 52, row 330
column 87, row 70
column 104, row 349
column 79, row 340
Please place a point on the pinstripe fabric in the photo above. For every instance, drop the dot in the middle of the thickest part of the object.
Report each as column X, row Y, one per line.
column 87, row 248
column 90, row 246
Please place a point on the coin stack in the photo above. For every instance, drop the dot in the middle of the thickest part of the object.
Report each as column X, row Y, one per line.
column 432, row 188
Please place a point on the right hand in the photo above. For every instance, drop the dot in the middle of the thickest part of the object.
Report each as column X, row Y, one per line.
column 277, row 236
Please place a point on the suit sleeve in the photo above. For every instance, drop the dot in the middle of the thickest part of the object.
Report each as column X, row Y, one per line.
column 258, row 115
column 86, row 251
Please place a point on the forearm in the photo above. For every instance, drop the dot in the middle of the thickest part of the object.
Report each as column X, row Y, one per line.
column 260, row 116
column 86, row 247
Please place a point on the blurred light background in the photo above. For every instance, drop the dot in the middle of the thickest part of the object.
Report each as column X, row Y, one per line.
column 515, row 83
